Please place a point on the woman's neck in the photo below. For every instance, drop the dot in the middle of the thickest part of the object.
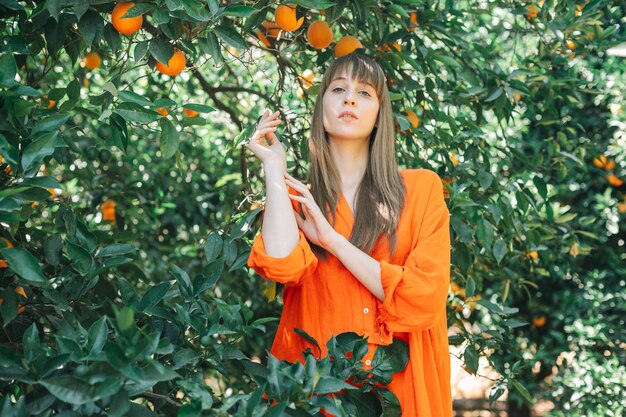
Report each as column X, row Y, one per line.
column 350, row 158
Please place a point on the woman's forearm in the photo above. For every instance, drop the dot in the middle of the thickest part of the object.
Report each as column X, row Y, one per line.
column 279, row 229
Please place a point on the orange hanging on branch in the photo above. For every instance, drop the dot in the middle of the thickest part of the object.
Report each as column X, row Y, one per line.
column 125, row 25
column 174, row 66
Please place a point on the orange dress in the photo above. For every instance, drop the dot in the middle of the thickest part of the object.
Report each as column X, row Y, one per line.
column 323, row 298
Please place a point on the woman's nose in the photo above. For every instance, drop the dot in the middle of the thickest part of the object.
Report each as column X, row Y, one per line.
column 349, row 101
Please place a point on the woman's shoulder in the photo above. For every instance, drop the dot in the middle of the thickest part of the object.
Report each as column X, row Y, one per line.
column 419, row 175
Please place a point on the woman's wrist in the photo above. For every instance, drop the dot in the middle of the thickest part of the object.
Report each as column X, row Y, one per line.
column 272, row 167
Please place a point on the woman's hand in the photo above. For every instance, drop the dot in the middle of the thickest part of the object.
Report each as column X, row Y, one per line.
column 264, row 143
column 315, row 226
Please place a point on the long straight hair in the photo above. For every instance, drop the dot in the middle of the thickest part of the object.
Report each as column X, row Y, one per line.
column 380, row 195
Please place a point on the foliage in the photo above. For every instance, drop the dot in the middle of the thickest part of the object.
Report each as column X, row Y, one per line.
column 147, row 300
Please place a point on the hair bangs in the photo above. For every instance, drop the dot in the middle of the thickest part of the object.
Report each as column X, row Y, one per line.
column 359, row 67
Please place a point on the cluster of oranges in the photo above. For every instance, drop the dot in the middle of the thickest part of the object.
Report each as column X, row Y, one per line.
column 319, row 34
column 130, row 26
column 608, row 164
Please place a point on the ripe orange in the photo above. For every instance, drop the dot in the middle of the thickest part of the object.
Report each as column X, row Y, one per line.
column 108, row 210
column 387, row 47
column 7, row 244
column 413, row 22
column 539, row 321
column 163, row 111
column 517, row 96
column 453, row 158
column 533, row 254
column 189, row 112
column 125, row 25
column 85, row 82
column 92, row 60
column 263, row 39
column 271, row 29
column 306, row 78
column 413, row 119
column 174, row 66
column 531, row 11
column 347, row 45
column 319, row 34
column 614, row 180
column 286, row 18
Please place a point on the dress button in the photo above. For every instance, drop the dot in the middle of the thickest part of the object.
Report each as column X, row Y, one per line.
column 366, row 310
column 368, row 362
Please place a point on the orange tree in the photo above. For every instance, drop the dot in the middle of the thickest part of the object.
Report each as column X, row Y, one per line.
column 125, row 225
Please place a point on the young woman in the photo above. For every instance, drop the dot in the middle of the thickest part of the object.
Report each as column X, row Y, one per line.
column 376, row 259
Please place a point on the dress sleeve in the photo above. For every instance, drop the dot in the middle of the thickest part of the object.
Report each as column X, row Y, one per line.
column 416, row 292
column 291, row 269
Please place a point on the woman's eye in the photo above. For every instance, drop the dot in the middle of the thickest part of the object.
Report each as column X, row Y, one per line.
column 366, row 93
column 337, row 88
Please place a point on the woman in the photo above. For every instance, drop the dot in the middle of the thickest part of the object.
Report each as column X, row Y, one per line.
column 377, row 260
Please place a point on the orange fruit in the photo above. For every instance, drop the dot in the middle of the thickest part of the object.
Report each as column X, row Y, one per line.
column 108, row 210
column 319, row 34
column 92, row 60
column 306, row 78
column 413, row 22
column 453, row 159
column 570, row 44
column 174, row 66
column 85, row 82
column 162, row 110
column 413, row 119
column 271, row 29
column 531, row 11
column 263, row 39
column 533, row 254
column 614, row 180
column 7, row 244
column 388, row 46
column 189, row 112
column 622, row 206
column 539, row 321
column 347, row 45
column 517, row 96
column 286, row 18
column 125, row 25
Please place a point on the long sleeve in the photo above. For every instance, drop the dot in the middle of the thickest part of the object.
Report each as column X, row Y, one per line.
column 300, row 263
column 416, row 292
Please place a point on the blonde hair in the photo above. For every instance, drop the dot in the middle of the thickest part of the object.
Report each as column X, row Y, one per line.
column 381, row 187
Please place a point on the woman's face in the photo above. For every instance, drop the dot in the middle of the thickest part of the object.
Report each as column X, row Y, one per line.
column 350, row 108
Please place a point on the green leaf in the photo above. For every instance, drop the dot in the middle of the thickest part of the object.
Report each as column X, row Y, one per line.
column 80, row 7
column 161, row 50
column 170, row 138
column 522, row 390
column 115, row 250
column 82, row 261
column 52, row 248
column 69, row 389
column 513, row 323
column 160, row 16
column 49, row 124
column 485, row 179
column 132, row 97
column 213, row 246
column 499, row 249
column 154, row 295
column 8, row 308
column 329, row 384
column 470, row 287
column 135, row 113
column 471, row 358
column 494, row 95
column 25, row 265
column 184, row 283
column 392, row 358
column 315, row 4
column 239, row 10
column 308, row 338
column 39, row 149
column 201, row 108
column 231, row 37
column 97, row 336
column 211, row 46
column 195, row 9
column 141, row 48
column 449, row 61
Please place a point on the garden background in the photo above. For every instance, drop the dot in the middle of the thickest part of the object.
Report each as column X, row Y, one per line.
column 128, row 203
